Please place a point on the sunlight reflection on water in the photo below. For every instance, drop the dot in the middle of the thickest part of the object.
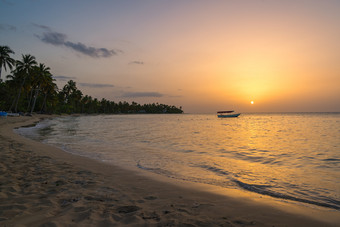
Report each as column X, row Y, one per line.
column 291, row 156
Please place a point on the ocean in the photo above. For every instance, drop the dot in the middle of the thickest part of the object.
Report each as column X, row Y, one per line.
column 290, row 156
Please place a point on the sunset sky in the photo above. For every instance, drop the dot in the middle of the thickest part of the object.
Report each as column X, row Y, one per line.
column 202, row 55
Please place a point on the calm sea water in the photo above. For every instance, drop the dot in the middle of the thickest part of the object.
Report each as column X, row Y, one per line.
column 290, row 156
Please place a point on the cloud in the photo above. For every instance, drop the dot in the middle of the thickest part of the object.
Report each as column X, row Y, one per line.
column 91, row 51
column 53, row 38
column 136, row 63
column 95, row 85
column 7, row 27
column 60, row 39
column 142, row 94
column 42, row 26
column 64, row 78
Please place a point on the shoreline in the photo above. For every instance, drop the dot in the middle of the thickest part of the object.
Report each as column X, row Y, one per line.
column 41, row 184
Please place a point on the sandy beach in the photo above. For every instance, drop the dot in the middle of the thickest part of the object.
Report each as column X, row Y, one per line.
column 42, row 185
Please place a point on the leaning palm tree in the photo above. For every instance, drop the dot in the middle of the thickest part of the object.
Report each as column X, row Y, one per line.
column 24, row 69
column 5, row 59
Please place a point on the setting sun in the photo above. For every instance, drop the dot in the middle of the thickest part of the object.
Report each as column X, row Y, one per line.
column 252, row 102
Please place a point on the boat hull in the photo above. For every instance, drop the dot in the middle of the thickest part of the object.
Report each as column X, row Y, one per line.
column 228, row 115
column 3, row 114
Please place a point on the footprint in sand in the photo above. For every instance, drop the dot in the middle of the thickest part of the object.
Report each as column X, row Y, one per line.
column 127, row 209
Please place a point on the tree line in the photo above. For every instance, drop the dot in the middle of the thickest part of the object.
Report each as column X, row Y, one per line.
column 30, row 87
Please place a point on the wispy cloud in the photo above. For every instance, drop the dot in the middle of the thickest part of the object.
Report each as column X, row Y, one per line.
column 95, row 85
column 42, row 26
column 7, row 27
column 91, row 51
column 64, row 78
column 142, row 94
column 136, row 63
column 60, row 39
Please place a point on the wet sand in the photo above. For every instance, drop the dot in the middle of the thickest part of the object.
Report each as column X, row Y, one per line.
column 42, row 185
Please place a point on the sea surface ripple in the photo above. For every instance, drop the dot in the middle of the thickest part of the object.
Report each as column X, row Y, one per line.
column 293, row 156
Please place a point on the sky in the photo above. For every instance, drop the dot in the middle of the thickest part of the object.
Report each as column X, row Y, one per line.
column 284, row 55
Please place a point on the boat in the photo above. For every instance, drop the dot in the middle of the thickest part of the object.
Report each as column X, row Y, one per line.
column 13, row 114
column 227, row 113
column 3, row 114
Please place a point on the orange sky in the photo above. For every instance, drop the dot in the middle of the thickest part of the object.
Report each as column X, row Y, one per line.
column 202, row 55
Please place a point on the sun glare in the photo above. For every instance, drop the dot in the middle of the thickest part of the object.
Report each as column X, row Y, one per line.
column 252, row 102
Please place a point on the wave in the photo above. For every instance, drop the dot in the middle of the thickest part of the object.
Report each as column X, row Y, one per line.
column 261, row 189
column 155, row 170
column 214, row 169
column 264, row 190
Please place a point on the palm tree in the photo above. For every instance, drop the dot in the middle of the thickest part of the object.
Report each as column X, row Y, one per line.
column 70, row 96
column 5, row 59
column 24, row 69
column 41, row 77
column 50, row 90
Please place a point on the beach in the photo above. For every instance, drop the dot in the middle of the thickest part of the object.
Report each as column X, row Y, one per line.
column 41, row 185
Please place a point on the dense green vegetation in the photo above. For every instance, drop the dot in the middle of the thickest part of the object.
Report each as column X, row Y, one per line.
column 30, row 88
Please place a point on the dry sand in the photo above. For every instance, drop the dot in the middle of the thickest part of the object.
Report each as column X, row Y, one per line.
column 43, row 186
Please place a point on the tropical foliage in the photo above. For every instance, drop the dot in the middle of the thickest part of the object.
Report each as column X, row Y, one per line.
column 31, row 88
column 5, row 59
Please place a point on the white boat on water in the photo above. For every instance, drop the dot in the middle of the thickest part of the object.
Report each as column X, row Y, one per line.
column 227, row 113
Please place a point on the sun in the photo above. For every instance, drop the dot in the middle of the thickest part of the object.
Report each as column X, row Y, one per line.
column 252, row 102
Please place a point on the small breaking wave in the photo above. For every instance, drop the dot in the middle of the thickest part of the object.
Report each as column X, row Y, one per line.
column 214, row 169
column 262, row 189
column 155, row 170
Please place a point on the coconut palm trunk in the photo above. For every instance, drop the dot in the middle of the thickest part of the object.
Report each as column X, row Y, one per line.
column 29, row 102
column 43, row 107
column 13, row 103
column 35, row 98
column 19, row 94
